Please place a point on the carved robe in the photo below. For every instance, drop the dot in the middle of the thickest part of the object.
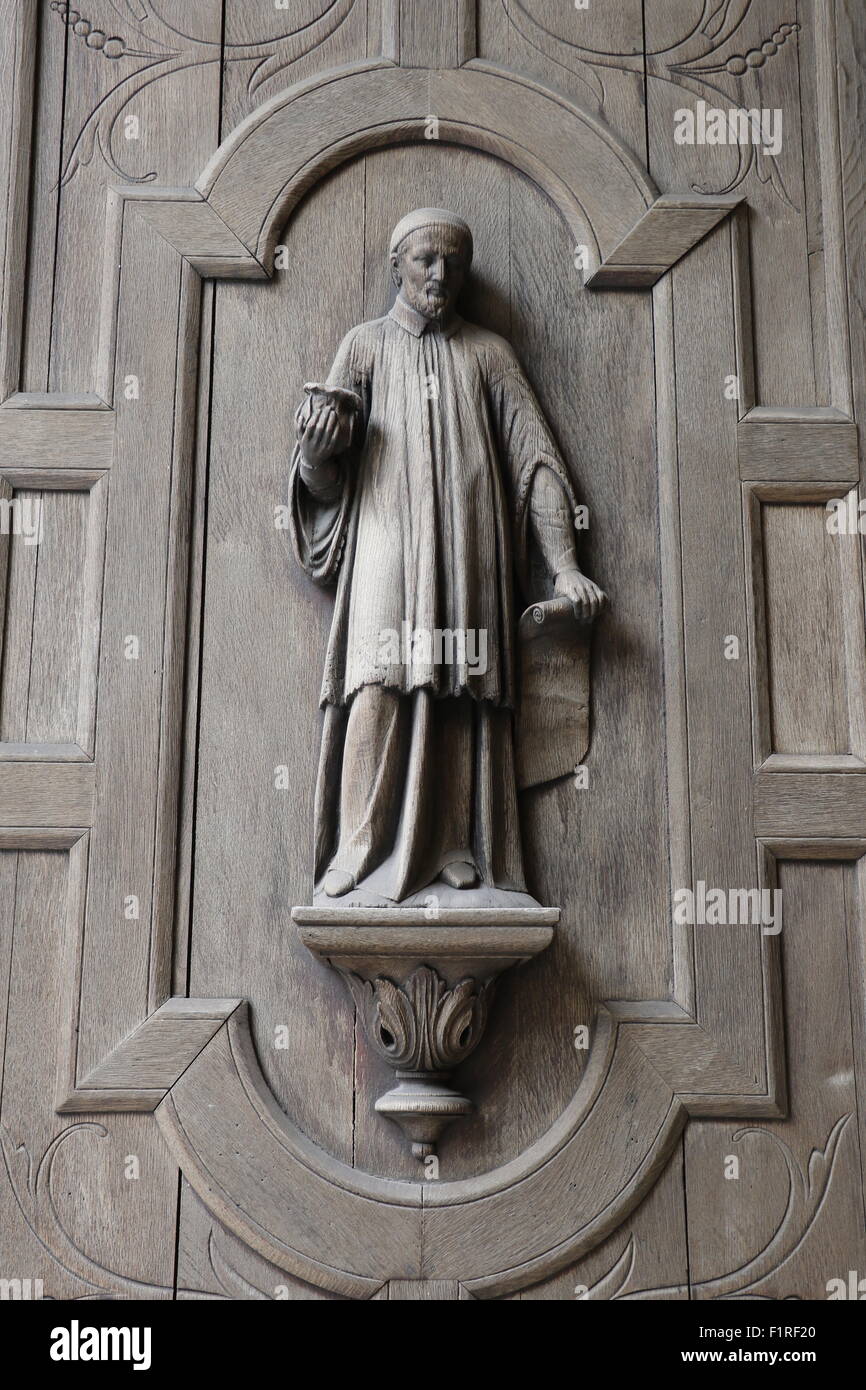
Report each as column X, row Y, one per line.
column 426, row 529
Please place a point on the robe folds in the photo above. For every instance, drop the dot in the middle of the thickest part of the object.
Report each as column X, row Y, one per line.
column 426, row 534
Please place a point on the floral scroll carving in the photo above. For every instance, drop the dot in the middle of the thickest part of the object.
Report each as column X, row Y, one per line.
column 162, row 49
column 710, row 51
column 808, row 1187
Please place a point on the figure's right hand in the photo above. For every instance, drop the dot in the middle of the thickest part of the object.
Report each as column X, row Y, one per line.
column 319, row 435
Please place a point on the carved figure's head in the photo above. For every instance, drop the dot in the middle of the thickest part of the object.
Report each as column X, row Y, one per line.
column 431, row 251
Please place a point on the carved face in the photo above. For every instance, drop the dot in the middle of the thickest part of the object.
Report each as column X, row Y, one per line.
column 429, row 270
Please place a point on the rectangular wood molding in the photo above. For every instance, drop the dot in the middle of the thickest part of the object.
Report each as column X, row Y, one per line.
column 46, row 793
column 408, row 37
column 798, row 444
column 79, row 438
column 143, row 1068
column 823, row 805
column 667, row 231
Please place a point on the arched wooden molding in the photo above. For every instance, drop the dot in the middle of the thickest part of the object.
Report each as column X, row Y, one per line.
column 260, row 173
column 351, row 1233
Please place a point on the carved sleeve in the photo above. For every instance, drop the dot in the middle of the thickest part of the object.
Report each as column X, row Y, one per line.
column 552, row 521
column 542, row 493
column 319, row 499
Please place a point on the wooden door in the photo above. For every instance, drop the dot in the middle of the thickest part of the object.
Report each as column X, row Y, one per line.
column 198, row 204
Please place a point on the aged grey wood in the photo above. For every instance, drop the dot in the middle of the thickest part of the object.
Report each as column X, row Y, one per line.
column 425, row 1290
column 17, row 63
column 796, row 293
column 178, row 126
column 417, row 785
column 198, row 234
column 810, row 803
column 798, row 443
column 41, row 792
column 256, row 601
column 321, row 124
column 423, row 990
column 524, row 1199
column 666, row 232
column 137, row 1075
column 408, row 37
column 748, row 1241
column 484, row 190
column 51, row 647
column 55, row 438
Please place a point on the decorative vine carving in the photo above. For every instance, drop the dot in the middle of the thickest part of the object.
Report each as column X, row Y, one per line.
column 807, row 1189
column 422, row 1025
column 30, row 1184
column 233, row 1284
column 683, row 63
column 31, row 1187
column 166, row 50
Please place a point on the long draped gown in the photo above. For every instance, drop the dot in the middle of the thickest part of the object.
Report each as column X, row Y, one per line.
column 426, row 530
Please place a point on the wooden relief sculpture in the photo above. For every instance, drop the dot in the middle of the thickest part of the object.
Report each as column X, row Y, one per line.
column 427, row 485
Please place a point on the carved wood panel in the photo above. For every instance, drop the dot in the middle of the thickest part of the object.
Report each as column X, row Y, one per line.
column 228, row 178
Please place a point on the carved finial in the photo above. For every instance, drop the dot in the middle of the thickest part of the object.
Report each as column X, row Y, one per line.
column 423, row 1029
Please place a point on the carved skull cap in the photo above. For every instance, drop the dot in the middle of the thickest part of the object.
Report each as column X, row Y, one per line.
column 422, row 218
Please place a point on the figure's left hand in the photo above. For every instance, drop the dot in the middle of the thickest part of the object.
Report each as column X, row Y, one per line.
column 588, row 598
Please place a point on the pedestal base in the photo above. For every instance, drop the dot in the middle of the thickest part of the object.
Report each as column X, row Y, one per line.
column 423, row 985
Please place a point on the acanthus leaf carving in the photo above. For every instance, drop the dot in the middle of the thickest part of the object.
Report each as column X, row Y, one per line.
column 422, row 1025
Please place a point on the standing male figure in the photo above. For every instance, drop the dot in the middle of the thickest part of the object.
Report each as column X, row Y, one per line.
column 422, row 475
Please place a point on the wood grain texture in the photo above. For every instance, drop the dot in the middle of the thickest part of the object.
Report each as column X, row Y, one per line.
column 50, row 648
column 805, row 636
column 747, row 1240
column 674, row 790
column 17, row 65
column 117, row 1237
column 259, row 678
column 780, row 304
column 145, row 561
column 718, row 697
column 788, row 446
column 424, row 1290
column 804, row 804
column 139, row 1072
column 176, row 106
column 55, row 438
column 410, row 40
column 189, row 224
column 666, row 232
column 46, row 793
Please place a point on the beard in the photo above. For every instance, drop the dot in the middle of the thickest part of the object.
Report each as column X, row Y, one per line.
column 434, row 302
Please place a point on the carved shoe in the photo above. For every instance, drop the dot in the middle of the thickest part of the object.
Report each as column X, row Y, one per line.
column 338, row 882
column 460, row 873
